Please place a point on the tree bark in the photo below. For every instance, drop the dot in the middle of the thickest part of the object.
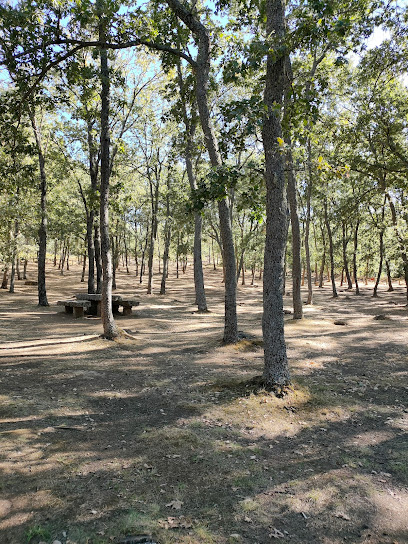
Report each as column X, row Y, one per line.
column 345, row 260
column 42, row 232
column 202, row 71
column 400, row 240
column 110, row 330
column 276, row 370
column 331, row 249
column 307, row 225
column 296, row 244
column 380, row 265
column 190, row 126
column 355, row 257
column 389, row 279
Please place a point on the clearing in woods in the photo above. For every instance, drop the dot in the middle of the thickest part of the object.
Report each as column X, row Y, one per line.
column 161, row 435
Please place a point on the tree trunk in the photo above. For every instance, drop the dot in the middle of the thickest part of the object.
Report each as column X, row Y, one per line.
column 153, row 235
column 296, row 244
column 110, row 330
column 276, row 370
column 42, row 232
column 142, row 263
column 18, row 268
column 14, row 257
column 98, row 259
column 91, row 251
column 167, row 239
column 377, row 281
column 83, row 267
column 307, row 225
column 355, row 257
column 400, row 240
column 25, row 269
column 389, row 279
column 331, row 249
column 190, row 127
column 345, row 260
column 202, row 71
column 4, row 283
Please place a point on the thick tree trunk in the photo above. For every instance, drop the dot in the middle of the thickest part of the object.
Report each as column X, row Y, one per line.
column 110, row 330
column 331, row 249
column 25, row 269
column 276, row 370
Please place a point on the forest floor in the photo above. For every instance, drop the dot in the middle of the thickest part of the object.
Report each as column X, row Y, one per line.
column 160, row 434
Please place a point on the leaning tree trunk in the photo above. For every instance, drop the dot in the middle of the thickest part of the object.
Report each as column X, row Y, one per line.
column 110, row 330
column 202, row 72
column 42, row 232
column 331, row 249
column 276, row 369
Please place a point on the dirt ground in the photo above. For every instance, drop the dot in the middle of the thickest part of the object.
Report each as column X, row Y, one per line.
column 160, row 435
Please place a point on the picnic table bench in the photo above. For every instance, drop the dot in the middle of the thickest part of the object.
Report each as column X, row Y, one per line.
column 76, row 307
column 117, row 300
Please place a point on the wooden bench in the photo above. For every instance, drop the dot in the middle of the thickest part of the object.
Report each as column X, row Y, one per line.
column 76, row 307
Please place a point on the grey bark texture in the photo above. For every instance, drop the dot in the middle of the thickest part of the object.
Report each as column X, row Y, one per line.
column 110, row 330
column 276, row 370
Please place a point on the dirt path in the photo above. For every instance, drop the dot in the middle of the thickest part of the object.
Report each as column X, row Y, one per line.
column 159, row 435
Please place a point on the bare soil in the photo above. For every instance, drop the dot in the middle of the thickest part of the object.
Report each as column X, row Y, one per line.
column 162, row 435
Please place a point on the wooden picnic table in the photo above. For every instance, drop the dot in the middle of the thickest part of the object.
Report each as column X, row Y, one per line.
column 117, row 300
